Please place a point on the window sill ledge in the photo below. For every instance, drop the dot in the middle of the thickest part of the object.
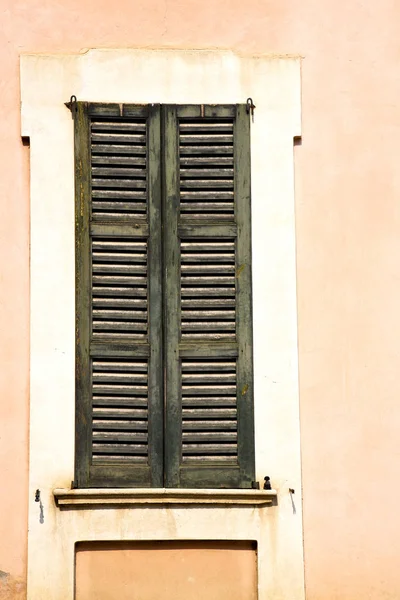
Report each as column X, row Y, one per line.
column 92, row 498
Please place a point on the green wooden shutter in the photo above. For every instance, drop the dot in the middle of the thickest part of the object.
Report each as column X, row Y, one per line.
column 208, row 322
column 119, row 404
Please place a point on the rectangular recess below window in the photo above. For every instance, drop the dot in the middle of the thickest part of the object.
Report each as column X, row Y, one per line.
column 182, row 570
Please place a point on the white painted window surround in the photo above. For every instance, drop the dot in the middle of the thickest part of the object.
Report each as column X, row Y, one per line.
column 162, row 76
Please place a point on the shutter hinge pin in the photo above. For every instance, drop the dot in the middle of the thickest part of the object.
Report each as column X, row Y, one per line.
column 71, row 105
column 250, row 106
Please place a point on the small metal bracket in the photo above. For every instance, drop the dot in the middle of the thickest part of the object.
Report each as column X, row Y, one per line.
column 37, row 496
column 250, row 106
column 71, row 105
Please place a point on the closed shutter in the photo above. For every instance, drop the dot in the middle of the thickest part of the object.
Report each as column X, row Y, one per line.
column 119, row 416
column 208, row 326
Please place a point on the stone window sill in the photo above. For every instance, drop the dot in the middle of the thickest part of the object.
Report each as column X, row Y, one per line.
column 92, row 498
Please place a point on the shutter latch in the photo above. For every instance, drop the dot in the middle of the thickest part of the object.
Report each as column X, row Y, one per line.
column 250, row 106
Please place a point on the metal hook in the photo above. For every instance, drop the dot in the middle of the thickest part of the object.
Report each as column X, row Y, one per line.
column 72, row 105
column 250, row 106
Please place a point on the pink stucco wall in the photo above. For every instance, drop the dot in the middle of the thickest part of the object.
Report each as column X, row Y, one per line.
column 348, row 261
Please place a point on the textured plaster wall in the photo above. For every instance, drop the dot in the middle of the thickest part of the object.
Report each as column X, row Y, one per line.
column 348, row 224
column 168, row 570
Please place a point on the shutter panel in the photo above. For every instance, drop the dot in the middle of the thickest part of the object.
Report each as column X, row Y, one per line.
column 209, row 383
column 119, row 416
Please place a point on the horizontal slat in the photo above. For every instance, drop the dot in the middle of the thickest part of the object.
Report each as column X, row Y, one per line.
column 118, row 378
column 205, row 257
column 215, row 315
column 118, row 291
column 116, row 171
column 119, row 390
column 119, row 425
column 205, row 150
column 114, row 337
column 209, row 437
column 202, row 209
column 200, row 292
column 206, row 174
column 212, row 390
column 207, row 378
column 119, row 268
column 127, row 126
column 113, row 365
column 209, row 413
column 220, row 127
column 133, row 161
column 209, row 425
column 205, row 268
column 130, row 184
column 126, row 195
column 118, row 326
column 115, row 247
column 206, row 280
column 206, row 195
column 214, row 184
column 119, row 303
column 208, row 326
column 209, row 402
column 122, row 315
column 112, row 149
column 119, row 448
column 119, row 257
column 204, row 303
column 119, row 279
column 119, row 436
column 122, row 462
column 208, row 336
column 210, row 137
column 129, row 217
column 190, row 161
column 208, row 367
column 123, row 412
column 114, row 207
column 209, row 449
column 122, row 137
column 192, row 463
